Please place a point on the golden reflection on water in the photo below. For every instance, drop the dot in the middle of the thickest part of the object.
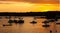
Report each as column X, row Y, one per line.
column 27, row 27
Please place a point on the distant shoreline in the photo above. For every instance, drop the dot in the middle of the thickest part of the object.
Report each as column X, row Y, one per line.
column 49, row 14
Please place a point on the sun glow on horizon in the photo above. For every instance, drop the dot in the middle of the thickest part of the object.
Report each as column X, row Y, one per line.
column 45, row 7
column 27, row 7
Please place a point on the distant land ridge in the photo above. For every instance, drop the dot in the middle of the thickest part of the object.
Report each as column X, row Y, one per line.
column 49, row 14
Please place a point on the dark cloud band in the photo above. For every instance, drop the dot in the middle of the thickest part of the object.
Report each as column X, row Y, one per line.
column 36, row 1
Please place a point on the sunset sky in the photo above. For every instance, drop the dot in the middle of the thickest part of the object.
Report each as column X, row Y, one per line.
column 29, row 5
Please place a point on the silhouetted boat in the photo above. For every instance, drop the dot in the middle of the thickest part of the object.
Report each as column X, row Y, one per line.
column 45, row 25
column 20, row 21
column 57, row 23
column 15, row 21
column 7, row 24
column 10, row 21
column 33, row 22
column 45, row 22
column 0, row 17
column 51, row 20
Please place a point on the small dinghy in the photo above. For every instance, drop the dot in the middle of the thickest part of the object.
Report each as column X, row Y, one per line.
column 10, row 21
column 7, row 24
column 45, row 22
column 33, row 22
column 20, row 21
column 15, row 21
column 45, row 25
column 51, row 20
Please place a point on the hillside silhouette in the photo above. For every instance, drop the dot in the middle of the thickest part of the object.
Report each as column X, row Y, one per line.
column 49, row 14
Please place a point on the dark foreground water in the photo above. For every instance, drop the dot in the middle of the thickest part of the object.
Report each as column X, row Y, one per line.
column 27, row 27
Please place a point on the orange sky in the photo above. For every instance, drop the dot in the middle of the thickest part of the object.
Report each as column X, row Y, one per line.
column 36, row 1
column 29, row 5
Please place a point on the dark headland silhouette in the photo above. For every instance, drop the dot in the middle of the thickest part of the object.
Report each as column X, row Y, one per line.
column 49, row 14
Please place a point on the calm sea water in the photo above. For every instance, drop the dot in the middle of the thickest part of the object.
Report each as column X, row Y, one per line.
column 27, row 27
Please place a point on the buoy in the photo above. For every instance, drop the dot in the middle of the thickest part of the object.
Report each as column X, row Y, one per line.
column 50, row 31
column 3, row 25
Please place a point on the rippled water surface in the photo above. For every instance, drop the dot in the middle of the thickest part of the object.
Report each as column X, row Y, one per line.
column 26, row 27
